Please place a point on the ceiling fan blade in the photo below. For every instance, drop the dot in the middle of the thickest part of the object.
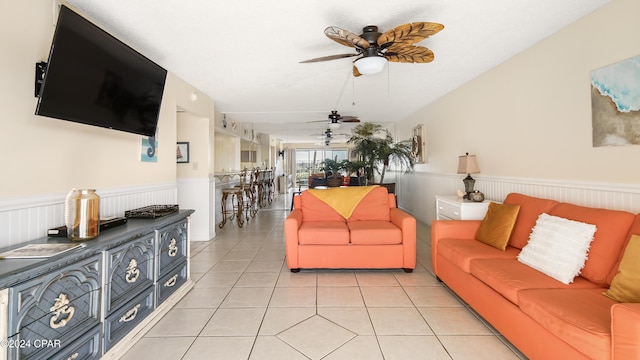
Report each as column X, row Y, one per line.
column 327, row 58
column 347, row 119
column 356, row 73
column 408, row 34
column 345, row 37
column 410, row 54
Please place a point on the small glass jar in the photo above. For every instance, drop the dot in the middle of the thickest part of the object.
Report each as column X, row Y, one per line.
column 82, row 214
column 477, row 196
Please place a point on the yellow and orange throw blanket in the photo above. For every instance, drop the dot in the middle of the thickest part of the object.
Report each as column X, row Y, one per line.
column 343, row 200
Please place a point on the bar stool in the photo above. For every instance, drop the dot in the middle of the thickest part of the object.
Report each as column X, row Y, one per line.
column 255, row 190
column 237, row 196
column 271, row 184
column 260, row 185
column 249, row 196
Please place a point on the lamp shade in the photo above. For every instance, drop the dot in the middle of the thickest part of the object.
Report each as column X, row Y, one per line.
column 467, row 164
column 370, row 64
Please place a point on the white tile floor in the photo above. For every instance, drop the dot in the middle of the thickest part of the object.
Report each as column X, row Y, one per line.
column 246, row 304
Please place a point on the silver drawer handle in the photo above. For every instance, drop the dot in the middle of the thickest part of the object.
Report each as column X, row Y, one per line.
column 61, row 307
column 73, row 357
column 132, row 272
column 172, row 281
column 173, row 248
column 131, row 314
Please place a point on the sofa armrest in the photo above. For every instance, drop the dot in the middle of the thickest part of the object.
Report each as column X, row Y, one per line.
column 451, row 229
column 291, row 225
column 407, row 225
column 625, row 331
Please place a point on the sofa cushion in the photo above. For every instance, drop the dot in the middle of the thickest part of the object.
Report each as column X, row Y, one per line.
column 581, row 317
column 374, row 206
column 608, row 241
column 374, row 233
column 314, row 209
column 625, row 286
column 558, row 247
column 323, row 233
column 635, row 229
column 495, row 229
column 509, row 276
column 530, row 208
column 461, row 252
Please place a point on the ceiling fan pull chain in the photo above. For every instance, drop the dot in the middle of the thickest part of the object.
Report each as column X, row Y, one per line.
column 389, row 82
column 353, row 91
column 344, row 87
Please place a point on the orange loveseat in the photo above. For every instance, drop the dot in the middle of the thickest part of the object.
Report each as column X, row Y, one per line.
column 543, row 317
column 373, row 233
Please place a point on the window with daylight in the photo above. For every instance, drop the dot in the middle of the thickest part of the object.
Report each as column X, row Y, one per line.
column 308, row 161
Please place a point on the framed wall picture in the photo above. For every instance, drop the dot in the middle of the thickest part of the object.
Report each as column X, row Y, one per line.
column 418, row 145
column 182, row 152
column 615, row 104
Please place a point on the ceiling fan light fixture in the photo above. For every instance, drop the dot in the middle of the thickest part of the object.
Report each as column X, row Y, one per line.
column 334, row 125
column 370, row 65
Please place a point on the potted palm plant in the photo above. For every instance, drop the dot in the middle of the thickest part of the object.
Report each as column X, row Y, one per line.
column 333, row 167
column 375, row 146
column 355, row 168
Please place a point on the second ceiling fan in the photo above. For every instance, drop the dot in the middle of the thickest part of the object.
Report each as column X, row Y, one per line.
column 328, row 136
column 335, row 118
column 375, row 49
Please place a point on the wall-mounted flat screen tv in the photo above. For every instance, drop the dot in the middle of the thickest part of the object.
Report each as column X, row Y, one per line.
column 93, row 78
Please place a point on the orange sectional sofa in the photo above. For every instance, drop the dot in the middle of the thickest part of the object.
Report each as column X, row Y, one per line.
column 321, row 232
column 543, row 317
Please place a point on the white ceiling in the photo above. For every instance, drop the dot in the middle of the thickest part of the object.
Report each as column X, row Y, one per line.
column 245, row 54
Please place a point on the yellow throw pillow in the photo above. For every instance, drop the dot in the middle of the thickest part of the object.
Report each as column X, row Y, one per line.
column 625, row 286
column 497, row 225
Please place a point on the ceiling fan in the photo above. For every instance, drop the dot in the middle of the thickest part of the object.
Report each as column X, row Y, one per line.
column 329, row 136
column 375, row 49
column 336, row 119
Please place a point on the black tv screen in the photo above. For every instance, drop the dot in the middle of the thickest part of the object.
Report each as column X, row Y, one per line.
column 93, row 78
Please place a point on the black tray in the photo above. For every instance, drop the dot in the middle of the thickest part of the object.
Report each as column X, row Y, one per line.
column 151, row 211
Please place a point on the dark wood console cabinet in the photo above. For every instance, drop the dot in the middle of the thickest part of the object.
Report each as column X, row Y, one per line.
column 94, row 302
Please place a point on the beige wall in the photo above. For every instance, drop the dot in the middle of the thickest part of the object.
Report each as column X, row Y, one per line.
column 531, row 116
column 227, row 149
column 44, row 155
column 194, row 130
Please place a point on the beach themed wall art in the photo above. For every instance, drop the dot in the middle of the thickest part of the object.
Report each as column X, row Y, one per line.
column 615, row 103
column 182, row 152
column 418, row 148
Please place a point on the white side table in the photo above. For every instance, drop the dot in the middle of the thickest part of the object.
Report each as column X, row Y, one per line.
column 455, row 208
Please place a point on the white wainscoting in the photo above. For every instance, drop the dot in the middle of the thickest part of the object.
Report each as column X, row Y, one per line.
column 28, row 218
column 416, row 192
column 199, row 194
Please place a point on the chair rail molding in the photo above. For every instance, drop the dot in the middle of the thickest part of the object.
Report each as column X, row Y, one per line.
column 416, row 191
column 28, row 218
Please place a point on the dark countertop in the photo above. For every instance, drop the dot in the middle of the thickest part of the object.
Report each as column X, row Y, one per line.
column 14, row 271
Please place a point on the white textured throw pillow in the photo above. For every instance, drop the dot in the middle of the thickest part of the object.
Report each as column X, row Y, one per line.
column 558, row 247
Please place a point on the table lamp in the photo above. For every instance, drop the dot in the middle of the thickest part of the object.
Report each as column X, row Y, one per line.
column 467, row 164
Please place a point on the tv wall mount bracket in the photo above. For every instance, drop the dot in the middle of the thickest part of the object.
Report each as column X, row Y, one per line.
column 41, row 69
